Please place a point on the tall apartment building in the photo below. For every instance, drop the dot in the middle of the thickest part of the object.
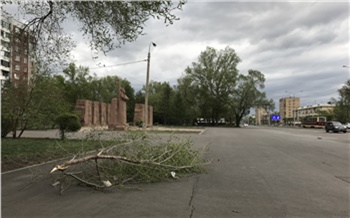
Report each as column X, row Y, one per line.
column 261, row 116
column 288, row 107
column 16, row 44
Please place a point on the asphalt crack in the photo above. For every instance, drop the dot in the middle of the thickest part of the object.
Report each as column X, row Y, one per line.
column 192, row 196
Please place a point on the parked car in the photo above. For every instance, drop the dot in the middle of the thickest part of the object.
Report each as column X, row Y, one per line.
column 335, row 126
column 348, row 125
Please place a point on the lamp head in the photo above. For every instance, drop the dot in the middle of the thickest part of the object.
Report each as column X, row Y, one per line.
column 154, row 44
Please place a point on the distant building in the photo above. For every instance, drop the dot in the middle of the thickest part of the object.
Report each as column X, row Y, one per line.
column 261, row 116
column 288, row 108
column 313, row 110
column 16, row 44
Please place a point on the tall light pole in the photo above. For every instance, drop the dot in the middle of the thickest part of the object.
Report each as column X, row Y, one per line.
column 145, row 123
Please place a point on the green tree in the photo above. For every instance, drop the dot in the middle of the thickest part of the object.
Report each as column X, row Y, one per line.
column 140, row 97
column 178, row 113
column 106, row 24
column 190, row 99
column 68, row 123
column 130, row 104
column 76, row 84
column 33, row 104
column 342, row 108
column 213, row 78
column 247, row 94
column 160, row 95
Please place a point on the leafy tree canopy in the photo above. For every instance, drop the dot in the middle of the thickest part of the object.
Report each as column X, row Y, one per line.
column 106, row 24
column 212, row 79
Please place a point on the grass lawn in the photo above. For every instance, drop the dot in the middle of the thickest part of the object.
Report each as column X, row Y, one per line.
column 17, row 153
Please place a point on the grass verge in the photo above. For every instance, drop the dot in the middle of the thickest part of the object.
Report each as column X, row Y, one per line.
column 22, row 152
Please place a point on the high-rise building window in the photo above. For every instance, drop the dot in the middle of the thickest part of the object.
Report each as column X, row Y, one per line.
column 16, row 48
column 18, row 58
column 5, row 44
column 6, row 54
column 17, row 67
column 5, row 24
column 16, row 76
column 5, row 63
column 25, row 69
column 25, row 60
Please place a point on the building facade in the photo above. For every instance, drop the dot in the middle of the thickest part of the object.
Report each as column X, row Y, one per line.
column 16, row 44
column 313, row 110
column 261, row 116
column 288, row 107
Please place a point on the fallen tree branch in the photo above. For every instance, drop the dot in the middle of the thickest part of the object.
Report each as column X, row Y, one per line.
column 148, row 161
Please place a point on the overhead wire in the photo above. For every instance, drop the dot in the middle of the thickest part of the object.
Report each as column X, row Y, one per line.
column 126, row 63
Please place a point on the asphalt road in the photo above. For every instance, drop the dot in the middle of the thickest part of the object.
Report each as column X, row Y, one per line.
column 256, row 172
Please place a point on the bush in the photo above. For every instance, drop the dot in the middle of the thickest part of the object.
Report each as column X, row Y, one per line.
column 6, row 126
column 139, row 123
column 68, row 123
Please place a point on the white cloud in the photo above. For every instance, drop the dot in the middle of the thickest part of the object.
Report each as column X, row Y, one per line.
column 297, row 45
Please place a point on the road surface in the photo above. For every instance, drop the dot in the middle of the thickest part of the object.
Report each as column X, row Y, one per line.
column 256, row 172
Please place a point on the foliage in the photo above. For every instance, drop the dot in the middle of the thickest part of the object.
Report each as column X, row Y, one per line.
column 106, row 24
column 139, row 123
column 68, row 123
column 342, row 108
column 6, row 125
column 77, row 83
column 24, row 152
column 212, row 79
column 329, row 114
column 33, row 103
column 247, row 94
column 138, row 158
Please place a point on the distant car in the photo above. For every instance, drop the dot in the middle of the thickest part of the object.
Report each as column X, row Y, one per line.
column 246, row 124
column 347, row 125
column 335, row 126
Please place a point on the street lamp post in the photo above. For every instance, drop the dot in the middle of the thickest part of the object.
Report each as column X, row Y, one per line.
column 145, row 123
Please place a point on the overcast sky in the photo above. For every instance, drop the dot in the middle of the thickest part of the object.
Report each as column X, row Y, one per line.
column 299, row 47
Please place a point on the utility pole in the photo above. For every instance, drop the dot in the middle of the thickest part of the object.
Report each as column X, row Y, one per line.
column 145, row 123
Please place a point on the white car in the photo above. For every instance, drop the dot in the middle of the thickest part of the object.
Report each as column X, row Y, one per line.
column 347, row 125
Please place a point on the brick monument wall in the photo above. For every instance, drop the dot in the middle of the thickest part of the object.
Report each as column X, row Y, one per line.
column 95, row 113
column 139, row 114
column 103, row 114
column 83, row 107
column 112, row 116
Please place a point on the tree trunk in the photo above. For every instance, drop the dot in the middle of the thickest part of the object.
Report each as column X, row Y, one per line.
column 22, row 130
column 238, row 120
column 14, row 129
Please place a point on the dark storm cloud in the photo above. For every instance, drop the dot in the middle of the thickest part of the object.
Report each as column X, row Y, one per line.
column 297, row 45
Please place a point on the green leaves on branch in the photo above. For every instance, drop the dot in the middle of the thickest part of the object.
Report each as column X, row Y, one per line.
column 342, row 108
column 132, row 159
column 211, row 80
column 107, row 24
column 68, row 123
column 215, row 88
